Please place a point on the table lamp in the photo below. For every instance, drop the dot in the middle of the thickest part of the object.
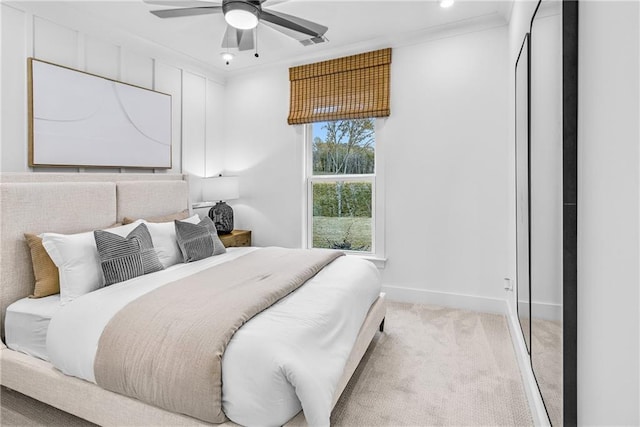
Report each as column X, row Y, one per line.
column 221, row 189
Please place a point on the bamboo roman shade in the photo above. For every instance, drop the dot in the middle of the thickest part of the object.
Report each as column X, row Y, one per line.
column 353, row 87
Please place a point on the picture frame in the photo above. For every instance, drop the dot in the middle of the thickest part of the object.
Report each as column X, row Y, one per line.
column 79, row 119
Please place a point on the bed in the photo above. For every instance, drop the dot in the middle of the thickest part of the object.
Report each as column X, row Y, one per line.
column 71, row 203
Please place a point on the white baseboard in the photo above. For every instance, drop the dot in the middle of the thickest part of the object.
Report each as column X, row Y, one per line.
column 546, row 311
column 446, row 299
column 538, row 412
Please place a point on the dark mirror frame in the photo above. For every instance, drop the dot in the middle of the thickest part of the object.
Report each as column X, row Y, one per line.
column 570, row 207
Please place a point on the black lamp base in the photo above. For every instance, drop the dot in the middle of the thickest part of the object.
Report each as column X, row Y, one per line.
column 222, row 216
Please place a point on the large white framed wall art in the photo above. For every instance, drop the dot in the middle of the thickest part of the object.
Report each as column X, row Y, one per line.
column 84, row 120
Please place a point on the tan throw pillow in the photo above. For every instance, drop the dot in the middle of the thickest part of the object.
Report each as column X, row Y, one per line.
column 163, row 218
column 44, row 270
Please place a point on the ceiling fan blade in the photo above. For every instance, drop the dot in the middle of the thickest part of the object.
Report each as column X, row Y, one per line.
column 245, row 39
column 238, row 39
column 293, row 23
column 230, row 39
column 304, row 39
column 181, row 3
column 274, row 2
column 191, row 11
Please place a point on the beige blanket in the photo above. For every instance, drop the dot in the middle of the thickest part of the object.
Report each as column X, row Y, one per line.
column 166, row 347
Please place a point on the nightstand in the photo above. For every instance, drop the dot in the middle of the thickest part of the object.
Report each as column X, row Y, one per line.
column 236, row 238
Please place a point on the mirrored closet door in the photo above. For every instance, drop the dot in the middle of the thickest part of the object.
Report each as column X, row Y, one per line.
column 545, row 139
column 546, row 202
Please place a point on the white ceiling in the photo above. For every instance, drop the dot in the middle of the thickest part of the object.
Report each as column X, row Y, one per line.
column 353, row 25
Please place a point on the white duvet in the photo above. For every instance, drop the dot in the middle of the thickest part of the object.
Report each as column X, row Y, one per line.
column 288, row 357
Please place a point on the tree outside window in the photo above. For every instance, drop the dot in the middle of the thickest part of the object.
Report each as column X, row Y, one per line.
column 342, row 179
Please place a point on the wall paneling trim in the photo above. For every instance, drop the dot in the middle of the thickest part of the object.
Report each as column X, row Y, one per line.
column 41, row 31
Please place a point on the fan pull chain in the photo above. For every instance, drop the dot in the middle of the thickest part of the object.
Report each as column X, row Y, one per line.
column 255, row 33
column 228, row 55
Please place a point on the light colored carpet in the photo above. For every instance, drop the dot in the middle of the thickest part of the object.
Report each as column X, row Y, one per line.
column 436, row 366
column 432, row 366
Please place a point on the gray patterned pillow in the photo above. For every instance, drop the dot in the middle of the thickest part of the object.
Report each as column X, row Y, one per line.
column 198, row 241
column 123, row 258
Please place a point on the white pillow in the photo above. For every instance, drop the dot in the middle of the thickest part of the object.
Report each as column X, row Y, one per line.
column 165, row 241
column 77, row 259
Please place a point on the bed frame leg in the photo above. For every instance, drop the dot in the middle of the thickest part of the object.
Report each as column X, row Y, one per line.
column 382, row 325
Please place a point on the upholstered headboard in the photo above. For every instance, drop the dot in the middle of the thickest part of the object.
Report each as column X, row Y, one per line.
column 72, row 203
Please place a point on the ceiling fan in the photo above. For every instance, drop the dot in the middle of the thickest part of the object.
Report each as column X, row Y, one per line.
column 242, row 17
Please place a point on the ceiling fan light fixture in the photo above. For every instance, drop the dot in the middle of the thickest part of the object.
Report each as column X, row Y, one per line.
column 240, row 14
column 227, row 56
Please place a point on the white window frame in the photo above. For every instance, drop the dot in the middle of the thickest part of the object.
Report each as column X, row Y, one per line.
column 377, row 253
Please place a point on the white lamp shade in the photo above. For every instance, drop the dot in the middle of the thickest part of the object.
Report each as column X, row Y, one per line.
column 227, row 56
column 220, row 188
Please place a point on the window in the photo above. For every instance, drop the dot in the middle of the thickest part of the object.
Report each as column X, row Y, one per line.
column 340, row 101
column 341, row 185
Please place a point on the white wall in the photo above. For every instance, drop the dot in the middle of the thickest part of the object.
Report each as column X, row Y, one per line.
column 46, row 32
column 267, row 155
column 445, row 144
column 608, row 213
column 445, row 171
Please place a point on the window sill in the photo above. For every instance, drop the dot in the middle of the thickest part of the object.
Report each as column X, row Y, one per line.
column 377, row 261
